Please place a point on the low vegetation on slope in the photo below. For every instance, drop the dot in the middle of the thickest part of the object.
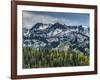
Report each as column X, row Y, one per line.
column 40, row 58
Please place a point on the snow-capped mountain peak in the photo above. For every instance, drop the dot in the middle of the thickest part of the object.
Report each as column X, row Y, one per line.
column 53, row 35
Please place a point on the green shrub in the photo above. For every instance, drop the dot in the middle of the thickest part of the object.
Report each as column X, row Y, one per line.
column 38, row 58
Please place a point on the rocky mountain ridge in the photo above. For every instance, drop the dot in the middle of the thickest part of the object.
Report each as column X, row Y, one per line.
column 56, row 36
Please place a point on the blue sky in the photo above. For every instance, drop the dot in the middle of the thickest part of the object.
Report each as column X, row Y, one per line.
column 30, row 18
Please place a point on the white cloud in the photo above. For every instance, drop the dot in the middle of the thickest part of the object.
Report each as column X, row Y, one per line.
column 30, row 19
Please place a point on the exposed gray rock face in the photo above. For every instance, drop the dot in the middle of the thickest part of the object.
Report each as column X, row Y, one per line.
column 56, row 36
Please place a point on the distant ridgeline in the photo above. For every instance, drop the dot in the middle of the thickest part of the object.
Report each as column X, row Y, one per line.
column 56, row 36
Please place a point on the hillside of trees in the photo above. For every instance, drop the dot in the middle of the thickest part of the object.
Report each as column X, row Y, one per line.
column 39, row 58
